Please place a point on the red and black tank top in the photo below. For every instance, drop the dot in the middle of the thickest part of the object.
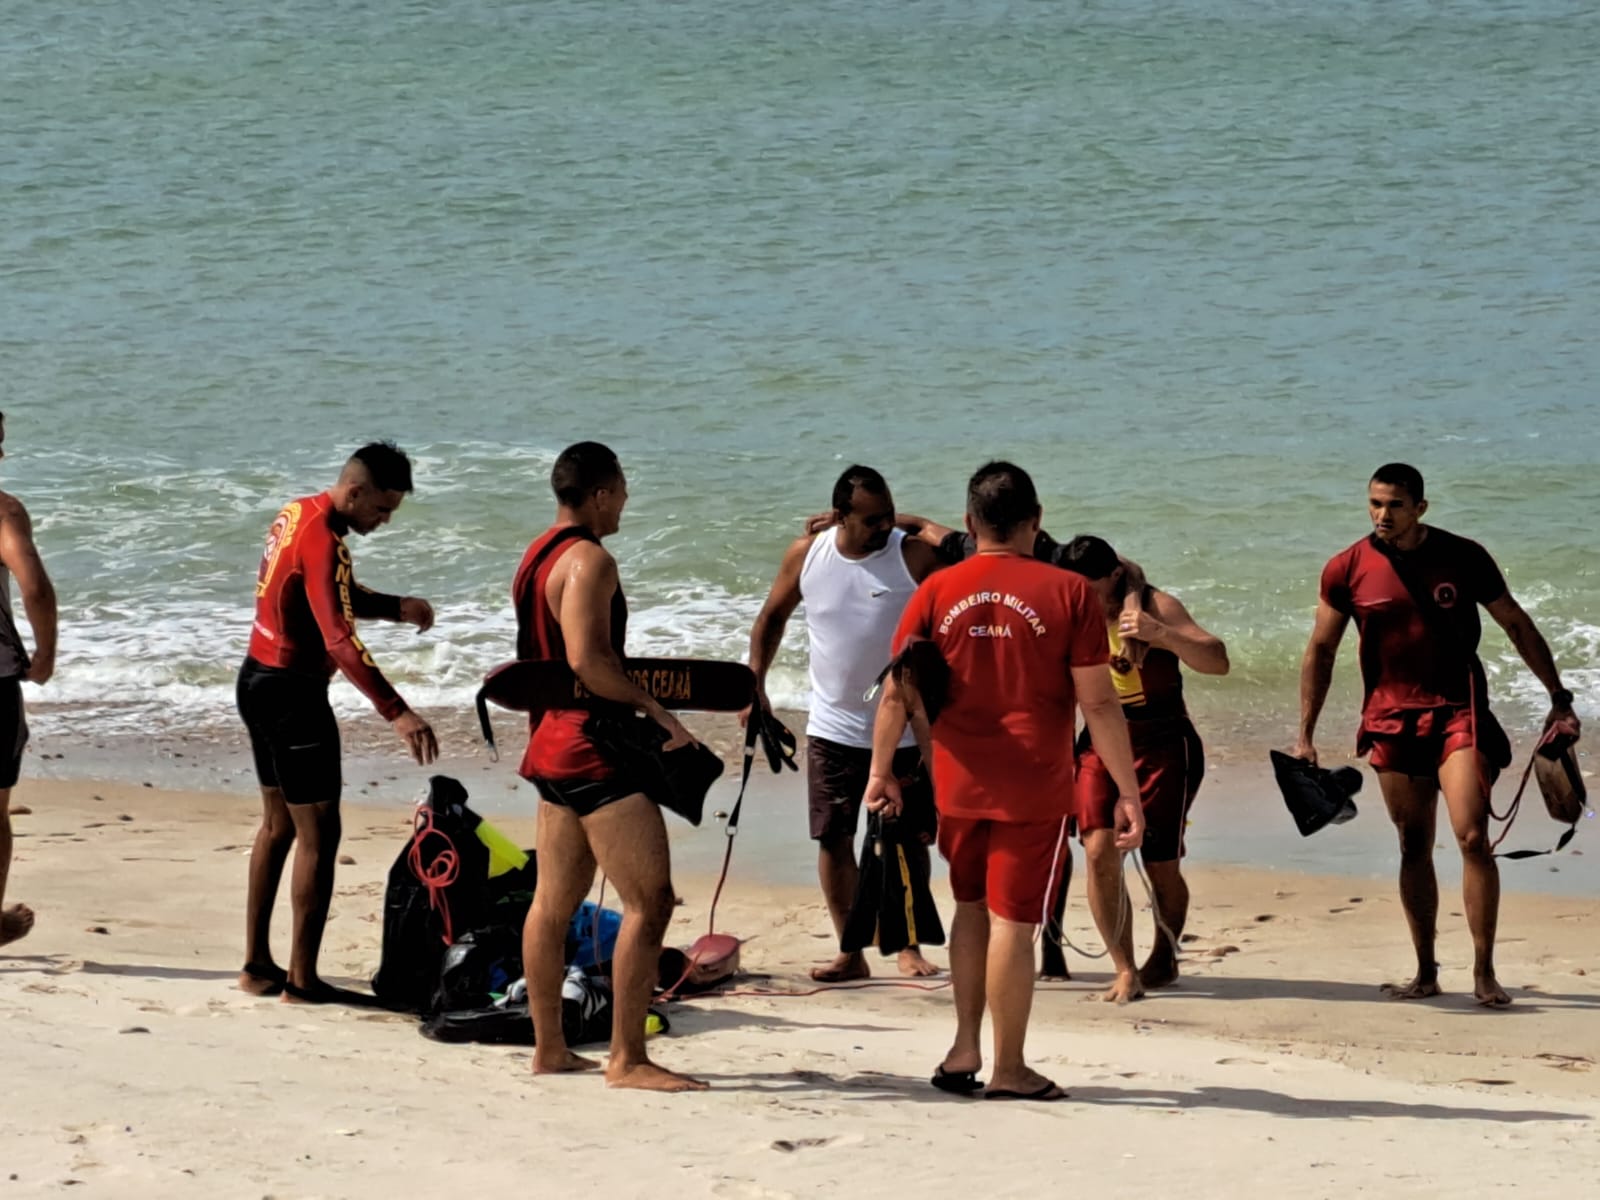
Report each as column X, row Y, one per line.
column 557, row 746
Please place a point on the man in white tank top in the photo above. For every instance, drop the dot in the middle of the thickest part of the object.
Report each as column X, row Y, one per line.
column 854, row 579
column 19, row 558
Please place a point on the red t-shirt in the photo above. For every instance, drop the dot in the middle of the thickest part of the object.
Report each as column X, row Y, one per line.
column 308, row 601
column 557, row 746
column 1011, row 628
column 1407, row 662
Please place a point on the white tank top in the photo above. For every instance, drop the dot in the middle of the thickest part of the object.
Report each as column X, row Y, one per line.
column 852, row 608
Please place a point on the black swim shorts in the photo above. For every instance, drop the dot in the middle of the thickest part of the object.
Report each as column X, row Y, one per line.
column 836, row 780
column 293, row 736
column 585, row 797
column 13, row 732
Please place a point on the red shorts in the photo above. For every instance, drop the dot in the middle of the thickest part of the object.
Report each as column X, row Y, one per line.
column 1418, row 741
column 1013, row 865
column 1170, row 764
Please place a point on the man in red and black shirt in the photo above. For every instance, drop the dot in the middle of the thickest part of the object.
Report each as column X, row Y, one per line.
column 307, row 606
column 1026, row 645
column 1414, row 592
column 592, row 811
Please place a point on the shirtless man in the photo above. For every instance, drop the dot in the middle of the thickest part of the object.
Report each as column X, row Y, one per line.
column 570, row 608
column 307, row 606
column 1167, row 758
column 1026, row 647
column 19, row 559
column 1414, row 591
column 854, row 579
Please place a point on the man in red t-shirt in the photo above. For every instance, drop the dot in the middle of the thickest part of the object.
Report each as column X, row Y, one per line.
column 1026, row 644
column 1414, row 591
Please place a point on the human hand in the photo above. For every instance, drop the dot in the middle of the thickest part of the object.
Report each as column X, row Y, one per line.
column 883, row 795
column 1305, row 750
column 760, row 702
column 1563, row 714
column 1129, row 825
column 820, row 521
column 677, row 736
column 1140, row 626
column 40, row 669
column 417, row 734
column 416, row 611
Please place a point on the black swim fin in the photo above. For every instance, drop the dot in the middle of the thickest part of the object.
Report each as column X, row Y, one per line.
column 777, row 741
column 861, row 926
column 1315, row 797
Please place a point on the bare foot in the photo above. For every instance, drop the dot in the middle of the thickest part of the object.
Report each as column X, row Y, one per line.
column 647, row 1077
column 1125, row 989
column 1489, row 992
column 912, row 963
column 1418, row 989
column 1159, row 972
column 565, row 1064
column 15, row 923
column 843, row 969
column 262, row 979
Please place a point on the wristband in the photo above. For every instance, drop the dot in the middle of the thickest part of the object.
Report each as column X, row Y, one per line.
column 1561, row 698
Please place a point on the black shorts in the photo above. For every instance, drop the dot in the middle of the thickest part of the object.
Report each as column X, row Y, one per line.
column 836, row 779
column 13, row 732
column 585, row 797
column 293, row 735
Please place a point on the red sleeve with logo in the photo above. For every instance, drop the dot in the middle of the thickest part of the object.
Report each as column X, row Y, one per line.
column 329, row 583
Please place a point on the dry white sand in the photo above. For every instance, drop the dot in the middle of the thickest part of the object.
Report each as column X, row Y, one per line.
column 132, row 1067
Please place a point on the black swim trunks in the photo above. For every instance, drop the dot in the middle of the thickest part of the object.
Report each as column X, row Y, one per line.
column 836, row 779
column 293, row 735
column 585, row 797
column 13, row 732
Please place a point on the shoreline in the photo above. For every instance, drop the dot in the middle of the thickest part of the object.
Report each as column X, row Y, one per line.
column 1238, row 820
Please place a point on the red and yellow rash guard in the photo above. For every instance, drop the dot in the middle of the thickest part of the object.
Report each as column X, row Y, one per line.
column 308, row 602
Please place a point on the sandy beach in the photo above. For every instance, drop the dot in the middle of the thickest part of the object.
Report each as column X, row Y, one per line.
column 135, row 1069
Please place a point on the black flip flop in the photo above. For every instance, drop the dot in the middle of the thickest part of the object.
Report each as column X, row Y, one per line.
column 1046, row 1094
column 957, row 1083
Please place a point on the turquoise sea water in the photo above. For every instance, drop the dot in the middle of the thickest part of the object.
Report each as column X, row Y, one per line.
column 1199, row 265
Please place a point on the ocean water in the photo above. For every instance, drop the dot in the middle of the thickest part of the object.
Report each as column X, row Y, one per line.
column 1200, row 265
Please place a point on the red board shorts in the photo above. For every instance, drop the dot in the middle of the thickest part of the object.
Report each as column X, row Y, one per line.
column 1417, row 742
column 1010, row 864
column 1170, row 764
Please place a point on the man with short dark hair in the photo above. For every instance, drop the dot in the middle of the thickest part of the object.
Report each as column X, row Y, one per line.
column 307, row 606
column 1167, row 758
column 570, row 608
column 1414, row 591
column 957, row 545
column 1025, row 646
column 19, row 560
column 854, row 579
